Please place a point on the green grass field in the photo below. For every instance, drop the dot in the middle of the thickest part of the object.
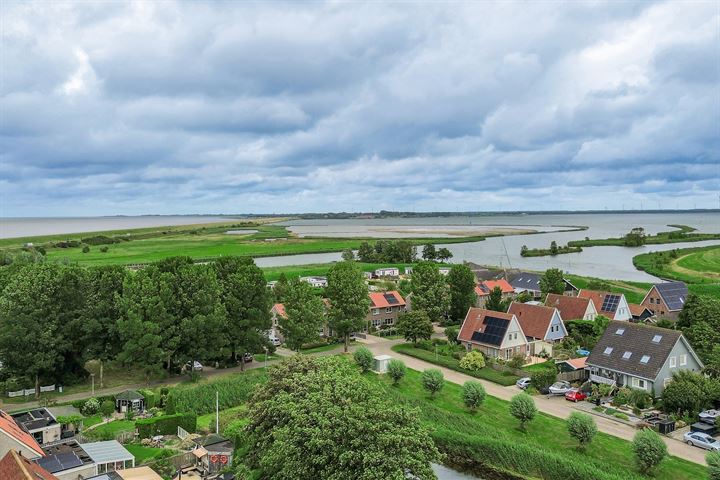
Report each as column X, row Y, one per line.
column 142, row 453
column 634, row 291
column 111, row 429
column 546, row 433
column 700, row 265
column 682, row 233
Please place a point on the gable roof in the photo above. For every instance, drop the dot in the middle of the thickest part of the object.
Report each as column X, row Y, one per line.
column 391, row 298
column 603, row 299
column 534, row 319
column 484, row 288
column 637, row 339
column 280, row 309
column 17, row 467
column 673, row 294
column 525, row 281
column 129, row 395
column 13, row 430
column 638, row 310
column 570, row 308
column 575, row 363
column 485, row 326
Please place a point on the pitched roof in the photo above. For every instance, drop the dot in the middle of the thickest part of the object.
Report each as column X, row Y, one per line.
column 484, row 288
column 577, row 363
column 391, row 298
column 129, row 395
column 485, row 326
column 16, row 467
column 673, row 294
column 534, row 319
column 637, row 339
column 280, row 309
column 602, row 299
column 637, row 310
column 570, row 308
column 13, row 430
column 525, row 281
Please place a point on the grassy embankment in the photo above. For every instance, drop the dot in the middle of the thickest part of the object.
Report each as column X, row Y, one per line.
column 682, row 234
column 545, row 451
column 201, row 242
column 544, row 252
column 699, row 267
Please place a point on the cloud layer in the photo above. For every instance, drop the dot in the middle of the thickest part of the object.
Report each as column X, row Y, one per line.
column 227, row 107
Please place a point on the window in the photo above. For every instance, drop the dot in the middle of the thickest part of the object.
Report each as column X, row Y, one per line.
column 388, row 321
column 639, row 383
column 608, row 350
column 683, row 360
column 619, row 331
column 376, row 311
column 388, row 309
column 627, row 355
column 645, row 359
column 673, row 362
column 657, row 338
column 376, row 322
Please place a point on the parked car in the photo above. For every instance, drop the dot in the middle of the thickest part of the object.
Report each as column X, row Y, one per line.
column 702, row 440
column 197, row 366
column 710, row 416
column 560, row 388
column 523, row 383
column 575, row 395
column 248, row 357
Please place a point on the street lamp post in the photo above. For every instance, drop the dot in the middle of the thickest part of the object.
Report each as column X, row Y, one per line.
column 92, row 375
column 266, row 355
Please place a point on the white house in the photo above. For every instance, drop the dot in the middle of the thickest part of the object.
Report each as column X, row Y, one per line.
column 387, row 272
column 495, row 334
column 317, row 282
column 611, row 305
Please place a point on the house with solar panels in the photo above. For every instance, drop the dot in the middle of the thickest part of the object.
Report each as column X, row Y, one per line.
column 666, row 300
column 530, row 282
column 494, row 334
column 640, row 356
column 611, row 305
column 385, row 308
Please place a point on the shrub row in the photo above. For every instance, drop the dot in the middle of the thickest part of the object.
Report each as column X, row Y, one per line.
column 487, row 373
column 200, row 398
column 166, row 424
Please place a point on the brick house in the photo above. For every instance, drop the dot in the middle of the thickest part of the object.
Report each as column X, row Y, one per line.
column 494, row 334
column 666, row 300
column 385, row 308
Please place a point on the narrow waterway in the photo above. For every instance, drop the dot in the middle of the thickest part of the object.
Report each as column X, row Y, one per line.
column 445, row 473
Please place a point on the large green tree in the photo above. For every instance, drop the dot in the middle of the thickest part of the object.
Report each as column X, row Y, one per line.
column 247, row 303
column 496, row 302
column 349, row 301
column 699, row 321
column 552, row 281
column 305, row 314
column 461, row 281
column 414, row 326
column 317, row 418
column 429, row 292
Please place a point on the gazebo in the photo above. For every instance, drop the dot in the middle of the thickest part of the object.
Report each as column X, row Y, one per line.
column 129, row 400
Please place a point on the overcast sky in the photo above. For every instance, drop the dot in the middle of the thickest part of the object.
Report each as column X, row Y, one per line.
column 227, row 107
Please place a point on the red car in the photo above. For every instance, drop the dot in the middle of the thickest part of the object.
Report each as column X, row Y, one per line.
column 575, row 395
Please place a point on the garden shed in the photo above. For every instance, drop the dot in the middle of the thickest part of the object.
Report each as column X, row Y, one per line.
column 129, row 400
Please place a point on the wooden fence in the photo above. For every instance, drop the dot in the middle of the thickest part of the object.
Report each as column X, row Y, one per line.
column 573, row 376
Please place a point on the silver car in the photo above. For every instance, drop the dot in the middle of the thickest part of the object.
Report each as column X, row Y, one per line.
column 702, row 440
column 560, row 388
column 523, row 383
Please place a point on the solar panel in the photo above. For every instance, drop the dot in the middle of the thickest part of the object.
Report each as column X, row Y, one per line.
column 50, row 464
column 391, row 299
column 68, row 460
column 494, row 331
column 610, row 303
column 673, row 294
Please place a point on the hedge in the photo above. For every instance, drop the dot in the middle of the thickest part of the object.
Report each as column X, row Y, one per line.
column 150, row 398
column 486, row 373
column 166, row 424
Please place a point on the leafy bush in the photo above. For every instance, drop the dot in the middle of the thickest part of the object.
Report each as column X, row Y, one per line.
column 100, row 240
column 433, row 381
column 86, row 249
column 649, row 449
column 473, row 394
column 517, row 361
column 107, row 408
column 166, row 424
column 150, row 398
column 364, row 358
column 90, row 407
column 200, row 398
column 713, row 461
column 396, row 370
column 522, row 407
column 474, row 360
column 582, row 428
column 452, row 333
column 543, row 378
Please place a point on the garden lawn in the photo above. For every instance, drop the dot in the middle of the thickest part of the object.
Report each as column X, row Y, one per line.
column 538, row 367
column 142, row 453
column 700, row 265
column 487, row 373
column 92, row 420
column 322, row 348
column 110, row 430
column 447, row 417
column 205, row 421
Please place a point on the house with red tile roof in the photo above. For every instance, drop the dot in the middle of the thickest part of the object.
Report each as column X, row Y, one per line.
column 14, row 438
column 494, row 334
column 572, row 308
column 385, row 308
column 483, row 289
column 16, row 467
column 611, row 305
column 543, row 326
column 640, row 313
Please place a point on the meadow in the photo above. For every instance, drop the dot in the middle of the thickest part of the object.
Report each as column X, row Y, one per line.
column 699, row 267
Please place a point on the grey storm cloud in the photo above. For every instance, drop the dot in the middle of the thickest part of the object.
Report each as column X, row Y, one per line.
column 200, row 107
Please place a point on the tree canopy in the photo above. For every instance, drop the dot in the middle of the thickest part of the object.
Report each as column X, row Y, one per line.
column 461, row 281
column 349, row 301
column 429, row 292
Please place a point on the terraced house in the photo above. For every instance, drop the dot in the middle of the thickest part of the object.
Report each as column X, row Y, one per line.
column 385, row 308
column 640, row 356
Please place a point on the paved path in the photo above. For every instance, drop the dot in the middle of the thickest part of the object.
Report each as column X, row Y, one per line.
column 555, row 406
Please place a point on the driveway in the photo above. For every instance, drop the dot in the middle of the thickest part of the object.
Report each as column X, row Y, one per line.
column 557, row 407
